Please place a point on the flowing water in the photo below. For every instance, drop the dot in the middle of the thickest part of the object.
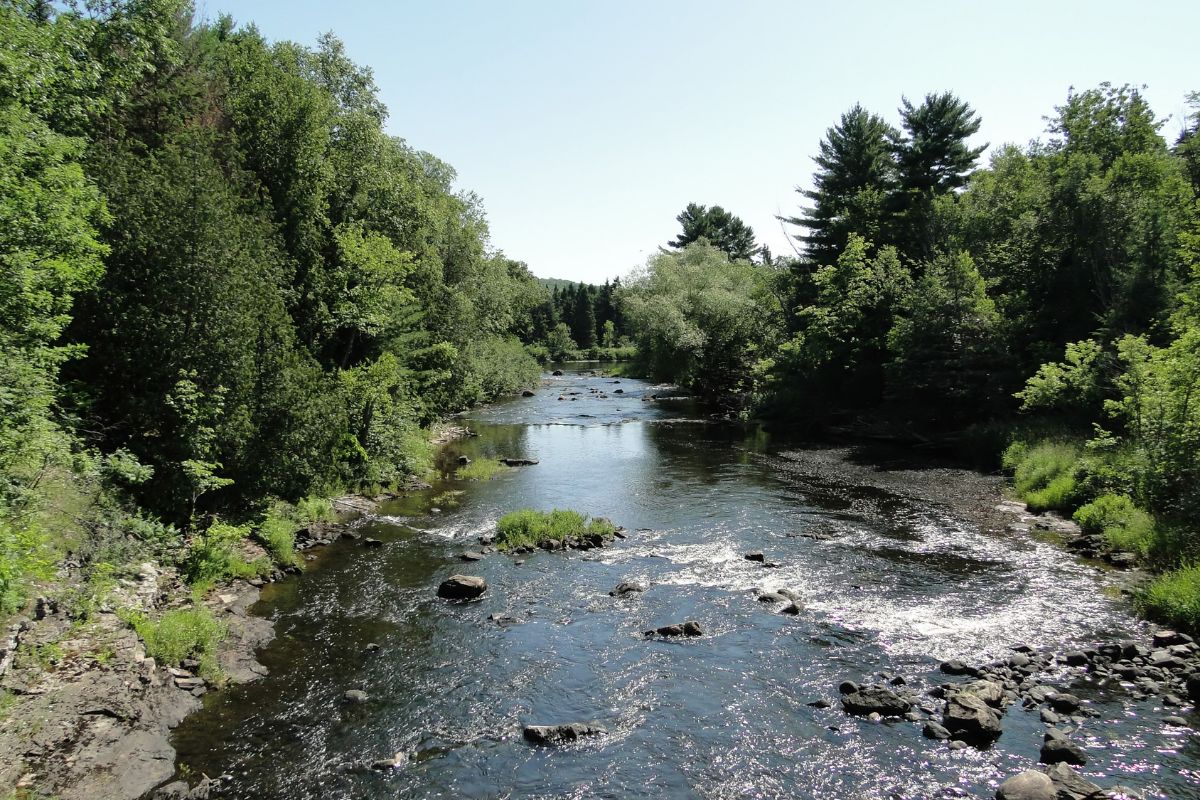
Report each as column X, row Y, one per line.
column 890, row 584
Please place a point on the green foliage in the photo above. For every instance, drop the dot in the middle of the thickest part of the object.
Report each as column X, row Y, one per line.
column 180, row 634
column 481, row 469
column 215, row 555
column 24, row 557
column 1044, row 474
column 1124, row 525
column 1174, row 597
column 719, row 228
column 702, row 320
column 528, row 528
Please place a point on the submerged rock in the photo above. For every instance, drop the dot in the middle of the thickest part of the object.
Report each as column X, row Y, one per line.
column 557, row 734
column 1028, row 785
column 462, row 587
column 395, row 762
column 527, row 393
column 626, row 587
column 689, row 628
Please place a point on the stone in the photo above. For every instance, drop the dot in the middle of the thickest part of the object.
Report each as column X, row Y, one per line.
column 395, row 762
column 1076, row 658
column 792, row 609
column 471, row 555
column 875, row 699
column 558, row 734
column 626, row 587
column 771, row 597
column 934, row 730
column 369, row 542
column 987, row 691
column 518, row 462
column 557, row 373
column 1028, row 785
column 955, row 667
column 820, row 704
column 463, row 461
column 355, row 696
column 462, row 587
column 1065, row 703
column 1069, row 784
column 688, row 628
column 1178, row 722
column 1057, row 749
column 971, row 719
column 755, row 556
column 527, row 393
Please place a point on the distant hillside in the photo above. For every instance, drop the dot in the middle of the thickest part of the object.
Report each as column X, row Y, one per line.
column 556, row 283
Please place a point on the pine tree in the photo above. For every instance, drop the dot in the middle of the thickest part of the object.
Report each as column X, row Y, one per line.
column 723, row 231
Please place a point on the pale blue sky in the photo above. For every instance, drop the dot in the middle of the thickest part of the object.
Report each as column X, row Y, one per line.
column 587, row 127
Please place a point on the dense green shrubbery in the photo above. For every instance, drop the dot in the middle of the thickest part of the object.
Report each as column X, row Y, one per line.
column 1044, row 474
column 215, row 555
column 1174, row 597
column 527, row 527
column 1123, row 525
column 481, row 469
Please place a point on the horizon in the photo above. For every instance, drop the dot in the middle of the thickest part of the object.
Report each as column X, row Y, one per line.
column 586, row 130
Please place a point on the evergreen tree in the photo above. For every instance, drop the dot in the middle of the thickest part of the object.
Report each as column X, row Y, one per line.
column 856, row 174
column 723, row 231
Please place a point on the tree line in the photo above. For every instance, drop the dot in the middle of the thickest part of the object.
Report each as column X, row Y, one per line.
column 1046, row 305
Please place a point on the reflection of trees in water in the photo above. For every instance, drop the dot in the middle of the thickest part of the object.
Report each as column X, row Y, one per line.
column 497, row 441
column 698, row 451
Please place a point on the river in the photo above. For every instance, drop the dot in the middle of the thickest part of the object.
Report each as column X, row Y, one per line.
column 891, row 583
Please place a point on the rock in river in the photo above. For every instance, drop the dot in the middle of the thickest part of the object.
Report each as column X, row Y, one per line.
column 1028, row 785
column 1057, row 749
column 874, row 699
column 626, row 587
column 556, row 734
column 969, row 718
column 462, row 587
column 355, row 696
column 518, row 462
column 688, row 628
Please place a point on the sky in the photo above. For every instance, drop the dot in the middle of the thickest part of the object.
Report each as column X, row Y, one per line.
column 586, row 127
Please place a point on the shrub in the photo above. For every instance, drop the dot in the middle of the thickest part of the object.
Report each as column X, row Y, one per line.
column 214, row 557
column 314, row 509
column 481, row 469
column 1044, row 474
column 526, row 528
column 1174, row 597
column 24, row 557
column 179, row 634
column 1124, row 525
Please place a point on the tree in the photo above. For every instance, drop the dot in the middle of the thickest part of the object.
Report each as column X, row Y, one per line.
column 856, row 174
column 932, row 159
column 723, row 231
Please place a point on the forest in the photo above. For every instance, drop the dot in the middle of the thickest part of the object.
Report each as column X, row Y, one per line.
column 227, row 294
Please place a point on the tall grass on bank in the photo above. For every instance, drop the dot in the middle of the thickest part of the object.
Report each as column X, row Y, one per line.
column 481, row 469
column 179, row 634
column 1174, row 598
column 527, row 527
column 1044, row 474
column 1124, row 526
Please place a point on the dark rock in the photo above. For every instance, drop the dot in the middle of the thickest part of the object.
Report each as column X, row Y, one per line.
column 355, row 696
column 875, row 699
column 1065, row 703
column 1060, row 750
column 1028, row 785
column 1018, row 661
column 934, row 730
column 626, row 587
column 971, row 719
column 369, row 542
column 518, row 462
column 527, row 393
column 557, row 734
column 847, row 687
column 792, row 609
column 755, row 556
column 1076, row 658
column 1178, row 722
column 1122, row 560
column 372, row 647
column 1049, row 717
column 955, row 667
column 1069, row 784
column 462, row 587
column 688, row 628
column 1193, row 687
column 618, row 391
column 989, row 692
column 771, row 597
column 820, row 704
column 557, row 373
column 471, row 555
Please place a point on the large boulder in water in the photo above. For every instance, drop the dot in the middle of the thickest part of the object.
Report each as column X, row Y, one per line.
column 988, row 691
column 1058, row 749
column 1070, row 785
column 462, row 587
column 875, row 700
column 557, row 734
column 1028, row 785
column 969, row 718
column 689, row 628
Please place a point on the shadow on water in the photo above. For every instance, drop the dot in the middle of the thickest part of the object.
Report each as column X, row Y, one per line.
column 890, row 584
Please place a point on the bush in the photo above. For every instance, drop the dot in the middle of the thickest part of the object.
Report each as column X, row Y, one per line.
column 1044, row 474
column 1174, row 598
column 179, row 634
column 213, row 556
column 24, row 557
column 1123, row 525
column 526, row 528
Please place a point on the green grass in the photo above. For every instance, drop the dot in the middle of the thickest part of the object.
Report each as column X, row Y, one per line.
column 481, row 469
column 1123, row 525
column 214, row 557
column 1174, row 598
column 1044, row 474
column 527, row 527
column 179, row 634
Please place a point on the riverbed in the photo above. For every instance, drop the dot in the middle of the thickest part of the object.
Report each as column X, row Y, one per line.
column 894, row 578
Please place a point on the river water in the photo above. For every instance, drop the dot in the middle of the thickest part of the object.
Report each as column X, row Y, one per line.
column 891, row 585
